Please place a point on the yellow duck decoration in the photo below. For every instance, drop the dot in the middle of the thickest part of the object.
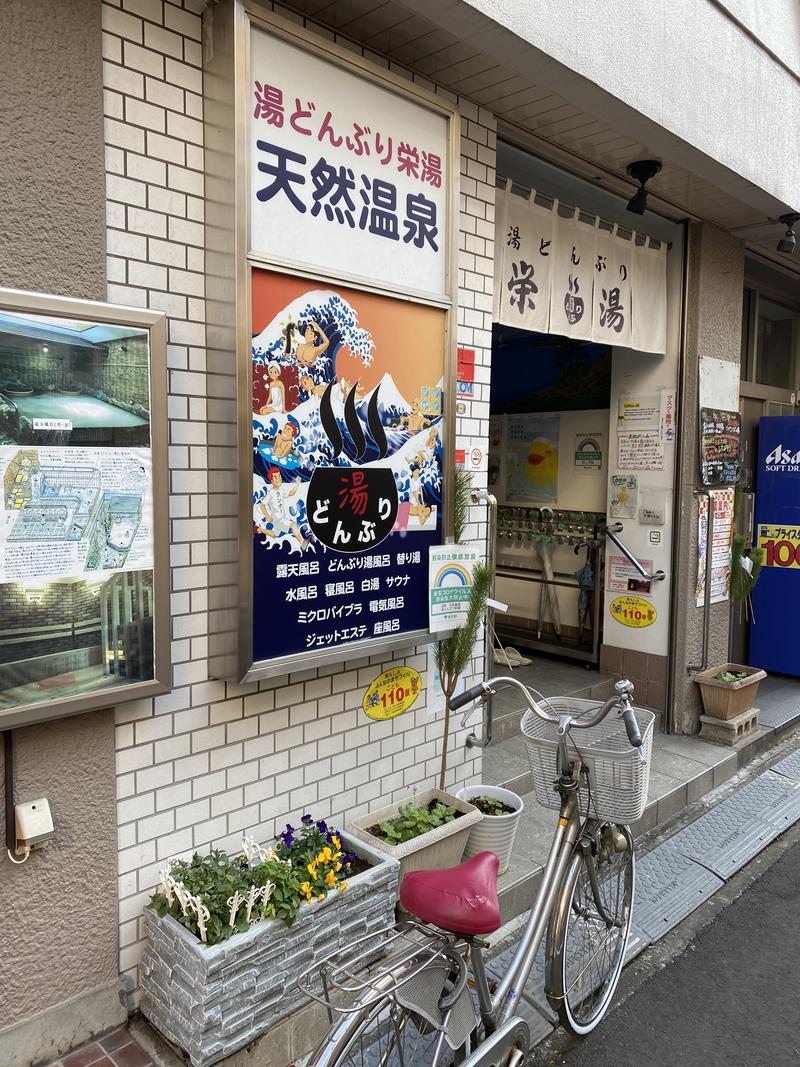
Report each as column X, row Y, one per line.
column 542, row 466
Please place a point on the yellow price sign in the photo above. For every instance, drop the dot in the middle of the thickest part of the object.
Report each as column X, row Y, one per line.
column 781, row 545
column 392, row 693
column 632, row 611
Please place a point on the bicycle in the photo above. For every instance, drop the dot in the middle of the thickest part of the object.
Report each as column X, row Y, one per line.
column 405, row 994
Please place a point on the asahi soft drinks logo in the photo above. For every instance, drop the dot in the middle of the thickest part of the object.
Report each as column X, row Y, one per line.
column 783, row 459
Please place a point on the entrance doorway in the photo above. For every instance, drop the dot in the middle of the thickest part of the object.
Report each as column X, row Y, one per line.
column 550, row 404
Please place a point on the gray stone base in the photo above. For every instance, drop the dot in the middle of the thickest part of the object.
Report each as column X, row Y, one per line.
column 48, row 1034
column 212, row 1001
column 734, row 732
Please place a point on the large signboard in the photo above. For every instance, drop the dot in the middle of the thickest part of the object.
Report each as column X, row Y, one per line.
column 347, row 177
column 345, row 424
column 79, row 513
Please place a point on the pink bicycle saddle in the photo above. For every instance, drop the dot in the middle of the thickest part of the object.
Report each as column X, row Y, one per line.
column 461, row 899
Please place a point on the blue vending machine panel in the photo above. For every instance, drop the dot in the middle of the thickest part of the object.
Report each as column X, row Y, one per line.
column 774, row 643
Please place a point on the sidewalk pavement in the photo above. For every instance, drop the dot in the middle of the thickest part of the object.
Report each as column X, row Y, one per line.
column 678, row 868
column 117, row 1049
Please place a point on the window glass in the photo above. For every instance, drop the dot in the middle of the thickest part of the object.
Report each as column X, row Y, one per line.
column 776, row 343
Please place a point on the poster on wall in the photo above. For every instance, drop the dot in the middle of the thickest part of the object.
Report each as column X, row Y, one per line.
column 642, row 450
column 720, row 446
column 722, row 533
column 347, row 177
column 624, row 496
column 450, row 585
column 531, row 458
column 77, row 512
column 624, row 578
column 348, row 412
column 588, row 451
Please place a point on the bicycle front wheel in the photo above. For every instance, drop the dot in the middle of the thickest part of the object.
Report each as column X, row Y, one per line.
column 585, row 950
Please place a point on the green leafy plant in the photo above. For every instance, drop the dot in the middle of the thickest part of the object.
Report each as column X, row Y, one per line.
column 731, row 676
column 746, row 562
column 491, row 805
column 412, row 821
column 216, row 896
column 454, row 653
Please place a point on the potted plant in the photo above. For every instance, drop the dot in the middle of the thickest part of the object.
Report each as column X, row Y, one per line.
column 430, row 830
column 228, row 937
column 729, row 690
column 501, row 810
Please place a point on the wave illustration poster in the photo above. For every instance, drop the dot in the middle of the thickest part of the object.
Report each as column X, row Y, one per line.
column 532, row 458
column 347, row 464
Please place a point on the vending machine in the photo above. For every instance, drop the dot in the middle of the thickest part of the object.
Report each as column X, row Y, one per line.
column 776, row 596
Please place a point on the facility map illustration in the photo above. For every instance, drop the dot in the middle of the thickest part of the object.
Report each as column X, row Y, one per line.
column 68, row 511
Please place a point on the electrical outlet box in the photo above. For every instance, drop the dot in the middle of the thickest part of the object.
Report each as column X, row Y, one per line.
column 34, row 824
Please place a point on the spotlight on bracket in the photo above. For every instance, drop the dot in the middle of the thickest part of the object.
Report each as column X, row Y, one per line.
column 788, row 242
column 641, row 171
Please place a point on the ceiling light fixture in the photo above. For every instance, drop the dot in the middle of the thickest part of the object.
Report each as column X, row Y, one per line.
column 641, row 171
column 788, row 242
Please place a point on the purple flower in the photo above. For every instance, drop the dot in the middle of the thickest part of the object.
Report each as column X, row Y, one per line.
column 322, row 826
column 289, row 828
column 307, row 820
column 287, row 839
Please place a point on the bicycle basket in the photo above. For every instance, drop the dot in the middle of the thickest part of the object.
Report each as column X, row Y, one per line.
column 618, row 777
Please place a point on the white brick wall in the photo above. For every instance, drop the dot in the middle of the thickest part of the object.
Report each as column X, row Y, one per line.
column 201, row 765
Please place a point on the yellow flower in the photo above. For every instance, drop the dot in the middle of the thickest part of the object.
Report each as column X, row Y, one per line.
column 338, row 867
column 336, row 841
column 330, row 879
column 324, row 856
column 321, row 896
column 342, row 886
column 312, row 868
column 306, row 889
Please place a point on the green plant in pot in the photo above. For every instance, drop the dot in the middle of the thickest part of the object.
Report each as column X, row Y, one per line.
column 454, row 653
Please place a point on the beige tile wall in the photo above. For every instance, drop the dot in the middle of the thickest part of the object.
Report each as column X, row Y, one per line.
column 211, row 760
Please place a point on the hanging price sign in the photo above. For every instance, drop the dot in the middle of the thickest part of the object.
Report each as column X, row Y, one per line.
column 781, row 545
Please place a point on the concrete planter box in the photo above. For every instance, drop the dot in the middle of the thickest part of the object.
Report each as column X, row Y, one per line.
column 442, row 847
column 725, row 700
column 494, row 833
column 213, row 1000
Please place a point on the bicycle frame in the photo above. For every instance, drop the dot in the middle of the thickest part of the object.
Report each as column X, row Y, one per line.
column 502, row 1006
column 499, row 1009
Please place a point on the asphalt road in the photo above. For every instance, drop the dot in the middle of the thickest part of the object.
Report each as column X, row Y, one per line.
column 731, row 994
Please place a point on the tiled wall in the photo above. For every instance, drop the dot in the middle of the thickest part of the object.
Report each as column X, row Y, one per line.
column 211, row 760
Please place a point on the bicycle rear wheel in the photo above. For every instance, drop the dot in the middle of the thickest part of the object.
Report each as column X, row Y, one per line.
column 585, row 953
column 385, row 1035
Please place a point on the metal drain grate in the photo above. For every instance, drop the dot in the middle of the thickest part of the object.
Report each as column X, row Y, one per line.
column 778, row 718
column 789, row 766
column 760, row 797
column 724, row 839
column 669, row 886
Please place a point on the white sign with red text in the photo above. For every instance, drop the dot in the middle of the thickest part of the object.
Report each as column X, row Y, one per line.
column 346, row 176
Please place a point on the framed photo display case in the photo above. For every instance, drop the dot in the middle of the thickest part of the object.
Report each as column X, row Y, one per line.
column 331, row 243
column 84, row 553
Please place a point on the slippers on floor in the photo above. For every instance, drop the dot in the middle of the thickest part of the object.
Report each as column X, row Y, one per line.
column 509, row 657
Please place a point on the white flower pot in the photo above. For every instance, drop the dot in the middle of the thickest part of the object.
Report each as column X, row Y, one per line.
column 493, row 833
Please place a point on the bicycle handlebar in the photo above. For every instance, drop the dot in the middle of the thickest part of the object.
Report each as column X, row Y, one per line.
column 620, row 700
